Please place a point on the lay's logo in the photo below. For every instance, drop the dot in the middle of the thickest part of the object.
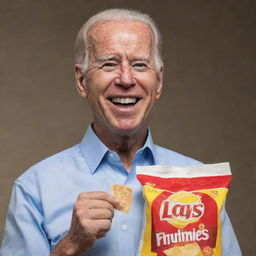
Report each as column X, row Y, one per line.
column 181, row 209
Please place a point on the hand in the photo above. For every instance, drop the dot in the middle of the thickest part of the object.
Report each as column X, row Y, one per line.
column 91, row 220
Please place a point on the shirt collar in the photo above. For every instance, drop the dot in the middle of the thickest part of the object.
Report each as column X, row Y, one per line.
column 94, row 150
column 149, row 144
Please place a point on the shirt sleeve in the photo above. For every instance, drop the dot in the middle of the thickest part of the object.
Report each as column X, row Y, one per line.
column 230, row 246
column 24, row 233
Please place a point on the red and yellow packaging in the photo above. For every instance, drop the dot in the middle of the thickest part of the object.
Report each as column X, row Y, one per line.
column 182, row 211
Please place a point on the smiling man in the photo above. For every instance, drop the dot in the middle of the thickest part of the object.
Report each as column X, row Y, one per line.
column 62, row 205
column 122, row 82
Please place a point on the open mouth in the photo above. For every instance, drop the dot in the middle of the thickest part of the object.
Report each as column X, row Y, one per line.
column 124, row 101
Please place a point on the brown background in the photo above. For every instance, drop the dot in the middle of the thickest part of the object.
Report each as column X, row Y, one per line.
column 207, row 110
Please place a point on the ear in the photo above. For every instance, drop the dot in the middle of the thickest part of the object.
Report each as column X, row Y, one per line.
column 159, row 83
column 80, row 81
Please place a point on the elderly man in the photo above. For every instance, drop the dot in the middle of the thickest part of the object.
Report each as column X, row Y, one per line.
column 62, row 205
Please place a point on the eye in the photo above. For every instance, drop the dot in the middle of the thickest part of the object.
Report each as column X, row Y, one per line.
column 108, row 66
column 140, row 66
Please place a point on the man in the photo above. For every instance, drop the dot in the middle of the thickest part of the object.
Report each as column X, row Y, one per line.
column 62, row 205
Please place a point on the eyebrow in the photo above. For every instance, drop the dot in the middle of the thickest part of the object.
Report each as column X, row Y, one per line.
column 117, row 58
column 147, row 59
column 107, row 57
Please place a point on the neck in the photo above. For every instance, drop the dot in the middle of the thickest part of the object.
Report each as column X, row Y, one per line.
column 125, row 144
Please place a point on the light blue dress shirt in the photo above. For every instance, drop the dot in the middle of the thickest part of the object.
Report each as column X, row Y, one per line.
column 41, row 204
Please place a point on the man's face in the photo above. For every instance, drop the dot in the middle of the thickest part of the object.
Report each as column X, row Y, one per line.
column 121, row 82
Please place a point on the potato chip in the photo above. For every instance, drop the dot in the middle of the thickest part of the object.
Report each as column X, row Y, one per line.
column 124, row 195
column 192, row 249
column 207, row 251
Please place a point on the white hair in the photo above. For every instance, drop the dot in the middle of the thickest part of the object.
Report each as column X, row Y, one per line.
column 81, row 48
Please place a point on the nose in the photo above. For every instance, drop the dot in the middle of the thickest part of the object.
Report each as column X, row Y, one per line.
column 125, row 77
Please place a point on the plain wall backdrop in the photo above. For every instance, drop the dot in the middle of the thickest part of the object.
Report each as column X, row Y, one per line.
column 207, row 110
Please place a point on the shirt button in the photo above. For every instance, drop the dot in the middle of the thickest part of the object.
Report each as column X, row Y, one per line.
column 124, row 227
column 111, row 155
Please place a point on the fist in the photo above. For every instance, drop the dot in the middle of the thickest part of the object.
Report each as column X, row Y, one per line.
column 92, row 217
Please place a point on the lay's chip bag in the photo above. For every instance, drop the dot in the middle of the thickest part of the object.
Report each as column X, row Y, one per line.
column 182, row 214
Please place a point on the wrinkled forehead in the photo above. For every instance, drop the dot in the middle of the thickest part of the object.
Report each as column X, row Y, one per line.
column 120, row 32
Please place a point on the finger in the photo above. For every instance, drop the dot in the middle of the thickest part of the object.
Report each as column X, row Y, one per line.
column 93, row 204
column 96, row 227
column 100, row 195
column 98, row 204
column 98, row 214
column 101, row 234
column 102, row 225
column 88, row 209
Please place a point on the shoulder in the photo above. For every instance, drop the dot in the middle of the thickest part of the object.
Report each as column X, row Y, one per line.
column 166, row 156
column 53, row 167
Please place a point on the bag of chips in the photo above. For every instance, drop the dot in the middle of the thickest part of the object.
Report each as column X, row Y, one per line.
column 182, row 210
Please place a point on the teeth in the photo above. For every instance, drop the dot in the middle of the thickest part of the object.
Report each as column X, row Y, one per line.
column 119, row 100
